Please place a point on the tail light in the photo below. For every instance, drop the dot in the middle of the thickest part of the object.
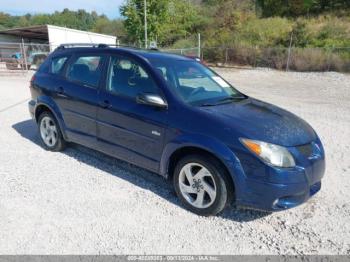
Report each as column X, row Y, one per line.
column 32, row 81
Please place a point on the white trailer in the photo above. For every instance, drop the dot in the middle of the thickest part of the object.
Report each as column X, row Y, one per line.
column 61, row 35
column 53, row 35
column 27, row 46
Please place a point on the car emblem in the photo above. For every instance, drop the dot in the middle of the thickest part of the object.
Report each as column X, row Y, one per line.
column 156, row 133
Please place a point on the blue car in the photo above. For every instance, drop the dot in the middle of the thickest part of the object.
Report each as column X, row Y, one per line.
column 176, row 117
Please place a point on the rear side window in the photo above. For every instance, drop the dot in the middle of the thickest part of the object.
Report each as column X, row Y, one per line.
column 86, row 70
column 45, row 66
column 57, row 64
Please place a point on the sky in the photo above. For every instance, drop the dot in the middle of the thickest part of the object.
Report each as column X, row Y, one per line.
column 21, row 7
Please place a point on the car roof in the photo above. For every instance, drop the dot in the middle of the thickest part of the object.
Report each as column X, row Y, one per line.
column 157, row 54
column 145, row 53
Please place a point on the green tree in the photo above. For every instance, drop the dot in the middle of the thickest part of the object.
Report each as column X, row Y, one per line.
column 23, row 21
column 300, row 35
column 225, row 20
column 41, row 19
column 7, row 21
column 167, row 20
column 110, row 27
column 133, row 11
column 293, row 8
column 183, row 21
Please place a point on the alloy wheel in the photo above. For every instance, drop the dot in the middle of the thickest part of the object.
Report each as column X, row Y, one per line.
column 197, row 185
column 48, row 131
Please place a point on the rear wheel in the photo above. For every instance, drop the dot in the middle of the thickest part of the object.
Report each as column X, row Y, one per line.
column 201, row 185
column 50, row 133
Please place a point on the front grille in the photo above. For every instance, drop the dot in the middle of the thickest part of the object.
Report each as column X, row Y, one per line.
column 306, row 150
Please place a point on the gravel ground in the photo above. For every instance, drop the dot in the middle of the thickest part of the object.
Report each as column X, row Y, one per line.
column 83, row 202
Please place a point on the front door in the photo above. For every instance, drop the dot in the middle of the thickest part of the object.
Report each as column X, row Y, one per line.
column 130, row 131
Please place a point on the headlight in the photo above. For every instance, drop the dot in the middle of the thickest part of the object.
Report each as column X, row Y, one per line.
column 272, row 154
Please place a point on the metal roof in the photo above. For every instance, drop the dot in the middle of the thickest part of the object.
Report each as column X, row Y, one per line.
column 36, row 32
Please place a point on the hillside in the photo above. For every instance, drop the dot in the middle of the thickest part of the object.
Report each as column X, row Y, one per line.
column 259, row 31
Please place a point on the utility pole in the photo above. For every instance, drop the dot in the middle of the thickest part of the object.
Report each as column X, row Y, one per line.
column 145, row 16
column 289, row 51
column 199, row 45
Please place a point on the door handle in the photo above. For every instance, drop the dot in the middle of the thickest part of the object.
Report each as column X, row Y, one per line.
column 60, row 91
column 105, row 104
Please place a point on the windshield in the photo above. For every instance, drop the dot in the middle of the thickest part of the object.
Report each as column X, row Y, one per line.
column 194, row 83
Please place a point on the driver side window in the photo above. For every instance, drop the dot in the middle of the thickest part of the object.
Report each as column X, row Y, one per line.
column 126, row 77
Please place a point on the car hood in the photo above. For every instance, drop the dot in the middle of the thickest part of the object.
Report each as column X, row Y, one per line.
column 254, row 119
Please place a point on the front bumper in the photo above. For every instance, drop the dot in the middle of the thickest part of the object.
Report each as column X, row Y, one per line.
column 275, row 197
column 277, row 189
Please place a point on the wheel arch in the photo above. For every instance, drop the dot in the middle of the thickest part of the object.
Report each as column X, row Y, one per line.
column 49, row 106
column 184, row 151
column 200, row 144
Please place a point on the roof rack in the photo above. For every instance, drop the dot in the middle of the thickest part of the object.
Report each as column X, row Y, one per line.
column 94, row 45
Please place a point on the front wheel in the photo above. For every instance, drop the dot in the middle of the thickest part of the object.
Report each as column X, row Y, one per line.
column 50, row 133
column 201, row 185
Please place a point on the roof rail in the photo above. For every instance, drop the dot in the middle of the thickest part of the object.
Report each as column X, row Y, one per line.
column 71, row 45
column 95, row 45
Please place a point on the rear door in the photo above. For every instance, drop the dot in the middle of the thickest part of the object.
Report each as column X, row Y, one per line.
column 130, row 131
column 77, row 96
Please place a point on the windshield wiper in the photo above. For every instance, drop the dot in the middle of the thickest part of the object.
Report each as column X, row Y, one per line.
column 231, row 98
column 225, row 100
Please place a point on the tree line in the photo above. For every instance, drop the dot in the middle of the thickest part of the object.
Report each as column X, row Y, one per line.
column 314, row 23
column 80, row 19
column 294, row 8
column 175, row 23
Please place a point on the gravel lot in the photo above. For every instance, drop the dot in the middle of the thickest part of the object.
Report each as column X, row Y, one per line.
column 82, row 202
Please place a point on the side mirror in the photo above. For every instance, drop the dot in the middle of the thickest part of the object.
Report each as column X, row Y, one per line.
column 151, row 100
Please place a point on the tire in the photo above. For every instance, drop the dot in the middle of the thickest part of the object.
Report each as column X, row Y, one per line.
column 50, row 133
column 12, row 65
column 198, row 196
column 24, row 67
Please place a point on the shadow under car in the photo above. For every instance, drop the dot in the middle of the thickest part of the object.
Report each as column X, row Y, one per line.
column 135, row 175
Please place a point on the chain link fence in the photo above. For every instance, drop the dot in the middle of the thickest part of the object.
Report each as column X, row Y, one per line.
column 191, row 52
column 293, row 59
column 20, row 57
